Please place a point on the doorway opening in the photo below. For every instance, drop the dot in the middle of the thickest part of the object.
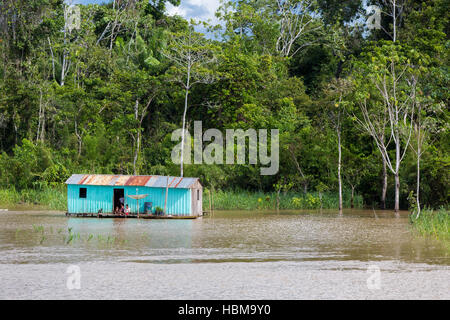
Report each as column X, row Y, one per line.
column 119, row 198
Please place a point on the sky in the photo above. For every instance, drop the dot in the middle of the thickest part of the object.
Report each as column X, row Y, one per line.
column 196, row 9
column 188, row 9
column 199, row 10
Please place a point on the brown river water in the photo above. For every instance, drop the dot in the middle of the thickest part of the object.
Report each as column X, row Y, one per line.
column 230, row 255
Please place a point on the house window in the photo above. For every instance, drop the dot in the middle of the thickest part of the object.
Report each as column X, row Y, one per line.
column 198, row 195
column 83, row 193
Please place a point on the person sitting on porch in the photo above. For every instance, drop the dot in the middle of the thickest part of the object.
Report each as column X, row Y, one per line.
column 127, row 210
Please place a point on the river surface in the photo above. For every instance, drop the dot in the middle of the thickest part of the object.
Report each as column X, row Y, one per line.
column 230, row 255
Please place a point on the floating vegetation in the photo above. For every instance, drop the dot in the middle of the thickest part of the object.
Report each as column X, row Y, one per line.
column 71, row 237
column 38, row 229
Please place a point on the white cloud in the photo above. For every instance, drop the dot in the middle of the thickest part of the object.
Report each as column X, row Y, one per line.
column 199, row 10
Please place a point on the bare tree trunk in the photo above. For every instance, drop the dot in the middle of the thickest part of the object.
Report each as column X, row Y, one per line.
column 42, row 136
column 53, row 58
column 40, row 115
column 299, row 169
column 353, row 196
column 394, row 9
column 103, row 33
column 113, row 28
column 418, row 181
column 420, row 140
column 184, row 117
column 397, row 172
column 64, row 61
column 80, row 139
column 138, row 142
column 339, row 169
column 385, row 181
column 16, row 130
column 397, row 193
column 384, row 190
column 394, row 20
column 136, row 152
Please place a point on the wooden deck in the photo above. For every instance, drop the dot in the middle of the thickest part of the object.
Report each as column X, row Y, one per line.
column 130, row 216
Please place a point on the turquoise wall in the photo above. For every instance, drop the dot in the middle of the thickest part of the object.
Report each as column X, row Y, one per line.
column 101, row 197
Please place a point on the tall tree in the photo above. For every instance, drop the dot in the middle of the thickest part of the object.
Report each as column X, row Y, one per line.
column 191, row 55
column 389, row 72
column 296, row 21
column 336, row 93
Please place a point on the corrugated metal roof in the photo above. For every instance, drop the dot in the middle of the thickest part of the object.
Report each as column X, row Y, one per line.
column 124, row 180
column 75, row 179
column 137, row 180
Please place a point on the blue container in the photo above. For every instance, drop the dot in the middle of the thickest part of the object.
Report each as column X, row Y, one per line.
column 148, row 207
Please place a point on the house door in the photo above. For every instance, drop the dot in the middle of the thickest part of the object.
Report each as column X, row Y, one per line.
column 119, row 198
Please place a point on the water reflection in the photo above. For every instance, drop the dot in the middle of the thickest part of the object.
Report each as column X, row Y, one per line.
column 139, row 233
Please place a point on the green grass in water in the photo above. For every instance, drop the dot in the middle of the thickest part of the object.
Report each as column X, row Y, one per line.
column 47, row 198
column 251, row 200
column 434, row 223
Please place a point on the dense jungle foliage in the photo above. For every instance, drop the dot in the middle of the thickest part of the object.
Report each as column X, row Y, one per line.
column 351, row 102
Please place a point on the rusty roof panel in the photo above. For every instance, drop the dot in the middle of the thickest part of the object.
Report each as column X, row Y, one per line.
column 114, row 180
column 137, row 180
column 98, row 180
column 83, row 179
column 86, row 179
column 126, row 180
column 122, row 180
column 173, row 182
column 177, row 182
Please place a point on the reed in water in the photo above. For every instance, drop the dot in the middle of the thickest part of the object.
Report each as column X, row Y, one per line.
column 434, row 223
